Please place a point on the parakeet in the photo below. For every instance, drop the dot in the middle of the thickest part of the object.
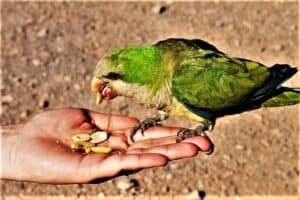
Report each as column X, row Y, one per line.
column 191, row 78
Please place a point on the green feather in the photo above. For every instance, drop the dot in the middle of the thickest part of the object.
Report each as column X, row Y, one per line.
column 219, row 81
column 286, row 97
column 140, row 65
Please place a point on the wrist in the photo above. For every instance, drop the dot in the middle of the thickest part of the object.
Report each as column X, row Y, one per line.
column 9, row 139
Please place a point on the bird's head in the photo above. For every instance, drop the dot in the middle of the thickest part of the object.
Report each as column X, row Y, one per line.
column 107, row 71
column 125, row 71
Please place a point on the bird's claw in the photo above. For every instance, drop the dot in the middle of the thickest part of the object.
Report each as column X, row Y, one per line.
column 143, row 126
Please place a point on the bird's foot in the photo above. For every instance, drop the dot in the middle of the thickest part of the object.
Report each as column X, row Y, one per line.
column 205, row 126
column 147, row 123
column 185, row 133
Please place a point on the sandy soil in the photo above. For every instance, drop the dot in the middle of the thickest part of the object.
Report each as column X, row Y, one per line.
column 49, row 51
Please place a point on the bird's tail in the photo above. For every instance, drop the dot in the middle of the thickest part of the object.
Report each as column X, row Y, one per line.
column 272, row 94
column 284, row 97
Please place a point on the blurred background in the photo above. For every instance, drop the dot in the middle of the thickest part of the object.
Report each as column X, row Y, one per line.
column 49, row 52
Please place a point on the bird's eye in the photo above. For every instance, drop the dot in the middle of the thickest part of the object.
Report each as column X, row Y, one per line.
column 113, row 76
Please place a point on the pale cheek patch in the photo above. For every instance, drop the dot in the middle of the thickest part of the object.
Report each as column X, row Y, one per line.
column 128, row 89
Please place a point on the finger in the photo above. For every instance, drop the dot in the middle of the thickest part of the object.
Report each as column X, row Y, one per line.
column 115, row 142
column 84, row 128
column 148, row 143
column 172, row 151
column 114, row 164
column 202, row 143
column 155, row 132
column 110, row 122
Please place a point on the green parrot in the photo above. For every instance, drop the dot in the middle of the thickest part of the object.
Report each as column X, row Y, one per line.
column 191, row 78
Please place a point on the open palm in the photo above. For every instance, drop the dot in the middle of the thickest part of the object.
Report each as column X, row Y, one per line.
column 41, row 152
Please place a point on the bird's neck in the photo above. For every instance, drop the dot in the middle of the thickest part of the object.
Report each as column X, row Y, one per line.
column 143, row 94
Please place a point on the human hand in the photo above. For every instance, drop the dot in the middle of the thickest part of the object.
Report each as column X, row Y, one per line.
column 39, row 150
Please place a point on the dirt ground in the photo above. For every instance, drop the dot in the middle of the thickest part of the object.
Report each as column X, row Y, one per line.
column 49, row 52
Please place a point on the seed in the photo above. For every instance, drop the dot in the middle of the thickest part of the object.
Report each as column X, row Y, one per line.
column 77, row 147
column 101, row 149
column 88, row 149
column 82, row 145
column 98, row 137
column 85, row 143
column 82, row 137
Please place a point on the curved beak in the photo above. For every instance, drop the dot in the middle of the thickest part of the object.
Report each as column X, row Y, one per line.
column 98, row 99
column 95, row 87
column 102, row 90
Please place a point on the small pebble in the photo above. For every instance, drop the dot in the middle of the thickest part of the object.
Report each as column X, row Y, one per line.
column 192, row 195
column 24, row 114
column 36, row 62
column 67, row 78
column 77, row 86
column 239, row 147
column 169, row 176
column 173, row 165
column 226, row 157
column 33, row 83
column 159, row 9
column 219, row 23
column 42, row 33
column 124, row 184
column 43, row 103
column 28, row 190
column 7, row 98
column 187, row 190
column 166, row 189
column 100, row 195
column 247, row 25
column 45, row 55
column 279, row 47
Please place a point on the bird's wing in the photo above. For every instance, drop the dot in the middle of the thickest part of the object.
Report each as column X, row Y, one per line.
column 180, row 44
column 212, row 80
